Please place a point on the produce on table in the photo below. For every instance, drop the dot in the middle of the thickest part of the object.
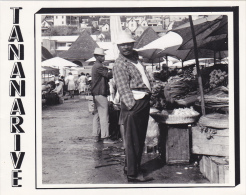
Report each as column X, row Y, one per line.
column 178, row 87
column 188, row 72
column 218, row 78
column 157, row 99
column 185, row 112
column 177, row 116
column 161, row 75
column 217, row 99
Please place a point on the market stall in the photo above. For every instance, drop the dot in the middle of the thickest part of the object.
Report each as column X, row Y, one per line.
column 192, row 104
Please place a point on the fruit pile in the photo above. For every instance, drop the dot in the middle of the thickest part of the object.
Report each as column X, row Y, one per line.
column 188, row 72
column 218, row 78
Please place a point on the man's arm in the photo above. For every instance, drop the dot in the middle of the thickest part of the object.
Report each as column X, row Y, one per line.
column 103, row 71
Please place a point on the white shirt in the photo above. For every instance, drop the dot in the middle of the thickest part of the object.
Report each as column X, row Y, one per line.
column 140, row 94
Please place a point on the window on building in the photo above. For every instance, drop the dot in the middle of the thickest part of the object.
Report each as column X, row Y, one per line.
column 62, row 22
column 56, row 17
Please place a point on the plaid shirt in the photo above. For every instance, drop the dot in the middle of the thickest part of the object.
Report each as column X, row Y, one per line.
column 127, row 78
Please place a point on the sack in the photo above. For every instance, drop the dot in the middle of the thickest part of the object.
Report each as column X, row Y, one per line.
column 215, row 120
column 153, row 133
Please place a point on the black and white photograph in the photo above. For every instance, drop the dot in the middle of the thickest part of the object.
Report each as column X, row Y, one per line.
column 136, row 98
column 130, row 95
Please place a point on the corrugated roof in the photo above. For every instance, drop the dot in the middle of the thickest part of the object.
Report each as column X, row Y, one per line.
column 82, row 48
column 148, row 36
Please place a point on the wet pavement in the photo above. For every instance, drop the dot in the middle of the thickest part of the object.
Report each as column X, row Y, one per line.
column 71, row 156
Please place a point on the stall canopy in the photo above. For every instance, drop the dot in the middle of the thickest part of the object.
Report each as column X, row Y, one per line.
column 189, row 54
column 211, row 33
column 49, row 70
column 58, row 62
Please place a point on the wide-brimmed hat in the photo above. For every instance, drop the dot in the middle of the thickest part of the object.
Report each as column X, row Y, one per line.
column 124, row 37
column 99, row 51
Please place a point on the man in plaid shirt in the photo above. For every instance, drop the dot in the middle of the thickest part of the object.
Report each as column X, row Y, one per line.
column 133, row 85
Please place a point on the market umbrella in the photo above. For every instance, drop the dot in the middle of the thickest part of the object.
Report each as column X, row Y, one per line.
column 211, row 36
column 211, row 33
column 188, row 54
column 154, row 49
column 222, row 28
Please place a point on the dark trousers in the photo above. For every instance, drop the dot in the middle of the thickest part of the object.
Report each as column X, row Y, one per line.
column 135, row 124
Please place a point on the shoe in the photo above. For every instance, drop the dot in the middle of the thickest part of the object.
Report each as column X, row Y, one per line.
column 97, row 139
column 139, row 178
column 108, row 141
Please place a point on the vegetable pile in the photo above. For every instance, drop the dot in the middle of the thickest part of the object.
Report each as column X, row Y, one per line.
column 157, row 99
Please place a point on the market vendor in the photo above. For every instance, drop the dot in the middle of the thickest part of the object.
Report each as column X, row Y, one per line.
column 133, row 85
column 59, row 90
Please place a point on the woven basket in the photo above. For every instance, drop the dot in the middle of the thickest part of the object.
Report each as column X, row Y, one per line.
column 215, row 120
column 173, row 119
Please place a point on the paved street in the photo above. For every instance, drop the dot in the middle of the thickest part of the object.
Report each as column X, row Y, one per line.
column 70, row 155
